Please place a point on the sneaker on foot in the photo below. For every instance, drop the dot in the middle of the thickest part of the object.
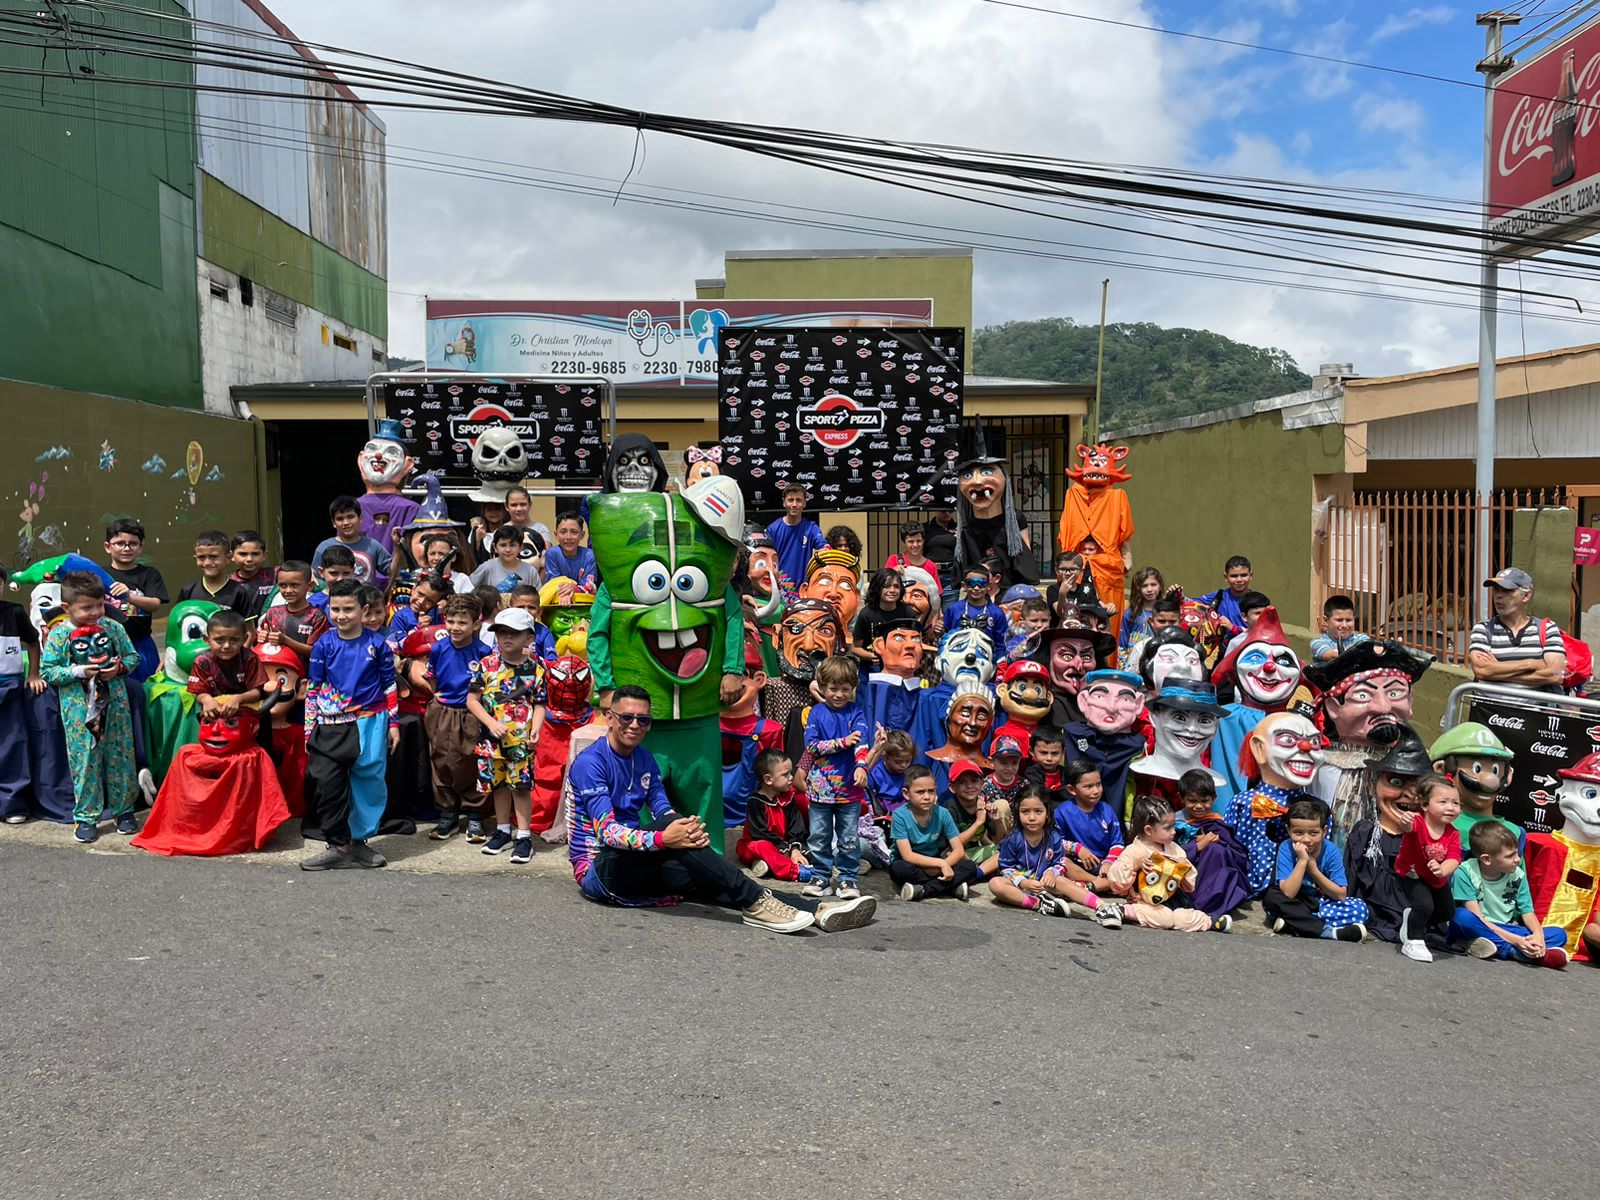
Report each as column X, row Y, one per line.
column 866, row 865
column 445, row 829
column 523, row 850
column 498, row 843
column 1554, row 956
column 1416, row 951
column 475, row 834
column 816, row 889
column 847, row 890
column 363, row 855
column 760, row 869
column 1054, row 906
column 845, row 914
column 17, row 819
column 1109, row 915
column 771, row 913
column 1222, row 924
column 1356, row 932
column 126, row 825
column 912, row 891
column 1482, row 947
column 964, row 892
column 85, row 831
column 334, row 858
column 1278, row 925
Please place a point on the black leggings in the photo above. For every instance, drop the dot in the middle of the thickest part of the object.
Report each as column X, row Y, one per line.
column 1426, row 908
column 965, row 871
column 701, row 875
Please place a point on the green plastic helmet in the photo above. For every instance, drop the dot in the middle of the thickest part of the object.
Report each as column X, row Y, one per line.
column 1471, row 739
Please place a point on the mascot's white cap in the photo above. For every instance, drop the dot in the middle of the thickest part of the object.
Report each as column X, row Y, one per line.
column 720, row 504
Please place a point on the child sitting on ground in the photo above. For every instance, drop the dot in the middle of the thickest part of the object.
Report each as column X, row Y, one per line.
column 1430, row 852
column 964, row 803
column 1152, row 869
column 885, row 793
column 227, row 676
column 1220, row 861
column 1031, row 868
column 776, row 824
column 930, row 852
column 1494, row 912
column 1087, row 824
column 1309, row 897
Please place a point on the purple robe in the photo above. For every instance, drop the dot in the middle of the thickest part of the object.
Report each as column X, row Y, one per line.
column 1220, row 872
column 384, row 512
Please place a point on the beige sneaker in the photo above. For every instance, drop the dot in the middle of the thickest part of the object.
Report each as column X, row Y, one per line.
column 845, row 914
column 771, row 913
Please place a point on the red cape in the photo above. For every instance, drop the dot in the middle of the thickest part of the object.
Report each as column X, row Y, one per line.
column 210, row 805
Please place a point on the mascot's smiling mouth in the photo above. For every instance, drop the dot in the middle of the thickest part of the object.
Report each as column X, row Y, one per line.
column 681, row 653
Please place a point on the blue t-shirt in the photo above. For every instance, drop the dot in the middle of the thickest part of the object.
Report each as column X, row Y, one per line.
column 885, row 787
column 795, row 545
column 1323, row 646
column 833, row 768
column 348, row 676
column 933, row 839
column 372, row 560
column 1098, row 829
column 451, row 668
column 1329, row 861
column 985, row 618
column 1017, row 855
column 581, row 568
column 404, row 621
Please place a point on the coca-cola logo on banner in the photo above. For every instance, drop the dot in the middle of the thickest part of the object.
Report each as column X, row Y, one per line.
column 1544, row 171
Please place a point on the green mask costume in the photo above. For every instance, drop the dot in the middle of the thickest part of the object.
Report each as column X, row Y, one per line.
column 172, row 713
column 666, row 619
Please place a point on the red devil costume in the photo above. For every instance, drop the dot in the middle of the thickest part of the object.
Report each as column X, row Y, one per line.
column 568, row 684
column 1095, row 509
column 219, row 797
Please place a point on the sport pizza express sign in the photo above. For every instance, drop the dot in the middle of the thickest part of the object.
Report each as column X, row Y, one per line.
column 1544, row 174
column 1543, row 742
column 560, row 424
column 628, row 341
column 862, row 418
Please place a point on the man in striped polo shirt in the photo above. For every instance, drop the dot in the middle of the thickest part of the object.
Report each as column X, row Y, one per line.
column 1512, row 646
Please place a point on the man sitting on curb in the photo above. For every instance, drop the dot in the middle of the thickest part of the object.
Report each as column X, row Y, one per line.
column 1513, row 646
column 628, row 847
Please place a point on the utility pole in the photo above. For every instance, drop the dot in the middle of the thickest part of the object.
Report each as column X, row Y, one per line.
column 1494, row 65
column 1092, row 431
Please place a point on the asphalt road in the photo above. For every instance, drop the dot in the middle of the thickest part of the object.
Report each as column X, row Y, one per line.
column 189, row 1028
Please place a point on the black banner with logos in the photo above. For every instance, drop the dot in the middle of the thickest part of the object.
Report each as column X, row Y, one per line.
column 860, row 417
column 1544, row 740
column 562, row 425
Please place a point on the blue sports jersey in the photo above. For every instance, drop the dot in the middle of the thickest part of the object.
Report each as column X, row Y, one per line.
column 349, row 678
column 1033, row 861
column 985, row 618
column 610, row 794
column 1099, row 829
column 450, row 667
column 795, row 545
column 581, row 568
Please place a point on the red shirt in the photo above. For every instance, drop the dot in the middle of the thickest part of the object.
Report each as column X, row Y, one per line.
column 211, row 677
column 1418, row 848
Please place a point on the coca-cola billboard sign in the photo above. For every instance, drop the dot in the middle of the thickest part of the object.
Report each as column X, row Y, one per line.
column 1544, row 171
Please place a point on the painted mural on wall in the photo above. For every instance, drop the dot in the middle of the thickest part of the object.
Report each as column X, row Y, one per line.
column 79, row 461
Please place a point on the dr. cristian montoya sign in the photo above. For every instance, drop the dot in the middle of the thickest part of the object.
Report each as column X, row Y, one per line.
column 861, row 418
column 628, row 341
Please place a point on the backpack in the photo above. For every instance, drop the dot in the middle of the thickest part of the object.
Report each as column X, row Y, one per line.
column 1580, row 660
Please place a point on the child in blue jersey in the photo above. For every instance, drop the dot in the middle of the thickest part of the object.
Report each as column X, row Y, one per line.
column 569, row 558
column 544, row 642
column 837, row 741
column 1087, row 824
column 338, row 564
column 886, row 782
column 794, row 537
column 453, row 732
column 350, row 730
column 1032, row 867
column 423, row 609
column 976, row 610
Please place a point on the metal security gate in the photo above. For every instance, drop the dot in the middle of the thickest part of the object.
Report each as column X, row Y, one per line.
column 1038, row 454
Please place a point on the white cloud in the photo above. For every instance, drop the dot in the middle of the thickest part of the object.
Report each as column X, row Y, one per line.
column 1396, row 24
column 1390, row 114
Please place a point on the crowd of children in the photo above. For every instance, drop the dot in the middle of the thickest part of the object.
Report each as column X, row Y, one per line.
column 438, row 644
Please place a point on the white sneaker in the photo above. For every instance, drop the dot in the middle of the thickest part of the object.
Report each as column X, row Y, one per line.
column 760, row 869
column 964, row 892
column 845, row 914
column 817, row 889
column 1482, row 948
column 17, row 819
column 912, row 891
column 773, row 914
column 847, row 891
column 1416, row 951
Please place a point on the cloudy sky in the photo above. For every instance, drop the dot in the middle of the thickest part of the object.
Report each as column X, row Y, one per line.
column 493, row 222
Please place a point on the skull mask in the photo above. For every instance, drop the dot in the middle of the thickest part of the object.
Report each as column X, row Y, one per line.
column 499, row 455
column 634, row 472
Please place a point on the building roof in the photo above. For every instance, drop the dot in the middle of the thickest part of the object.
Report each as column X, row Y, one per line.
column 856, row 252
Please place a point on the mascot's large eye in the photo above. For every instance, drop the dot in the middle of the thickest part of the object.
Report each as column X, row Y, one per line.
column 1152, row 877
column 650, row 582
column 691, row 584
column 192, row 628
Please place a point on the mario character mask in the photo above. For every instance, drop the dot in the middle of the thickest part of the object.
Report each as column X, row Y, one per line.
column 1024, row 692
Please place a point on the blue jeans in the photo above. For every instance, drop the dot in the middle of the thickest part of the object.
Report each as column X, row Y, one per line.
column 1467, row 925
column 835, row 843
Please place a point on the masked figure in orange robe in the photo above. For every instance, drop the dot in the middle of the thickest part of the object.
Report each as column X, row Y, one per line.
column 1097, row 521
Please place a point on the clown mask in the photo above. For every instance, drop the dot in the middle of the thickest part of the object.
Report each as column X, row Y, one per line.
column 1182, row 734
column 568, row 685
column 983, row 486
column 383, row 463
column 1288, row 749
column 1175, row 662
column 225, row 736
column 1071, row 658
column 186, row 637
column 1267, row 674
column 44, row 608
column 809, row 633
column 900, row 651
column 1110, row 705
column 1368, row 702
column 965, row 656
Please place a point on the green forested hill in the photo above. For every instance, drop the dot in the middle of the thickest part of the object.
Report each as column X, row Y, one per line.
column 1151, row 373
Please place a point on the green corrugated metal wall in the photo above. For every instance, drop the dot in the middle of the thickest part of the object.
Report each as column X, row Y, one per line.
column 97, row 236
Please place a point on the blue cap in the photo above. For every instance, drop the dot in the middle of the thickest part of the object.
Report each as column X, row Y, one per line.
column 1109, row 675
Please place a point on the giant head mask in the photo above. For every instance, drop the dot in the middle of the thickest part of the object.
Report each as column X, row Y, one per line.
column 565, row 610
column 701, row 462
column 1285, row 750
column 1184, row 717
column 285, row 670
column 810, row 632
column 1579, row 799
column 186, row 637
column 1170, row 656
column 969, row 716
column 500, row 461
column 832, row 576
column 1024, row 691
column 1071, row 650
column 634, row 466
column 383, row 461
column 667, row 561
column 922, row 593
column 965, row 656
column 1111, row 701
column 898, row 645
column 1099, row 466
column 1477, row 760
column 1264, row 666
column 1366, row 689
column 225, row 736
column 568, row 684
column 91, row 646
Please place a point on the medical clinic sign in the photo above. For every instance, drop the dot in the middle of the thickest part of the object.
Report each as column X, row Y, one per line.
column 1544, row 173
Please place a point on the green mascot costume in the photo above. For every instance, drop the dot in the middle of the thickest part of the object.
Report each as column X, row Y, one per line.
column 664, row 618
column 171, row 711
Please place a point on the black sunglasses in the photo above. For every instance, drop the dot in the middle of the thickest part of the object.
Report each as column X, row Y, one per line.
column 633, row 718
